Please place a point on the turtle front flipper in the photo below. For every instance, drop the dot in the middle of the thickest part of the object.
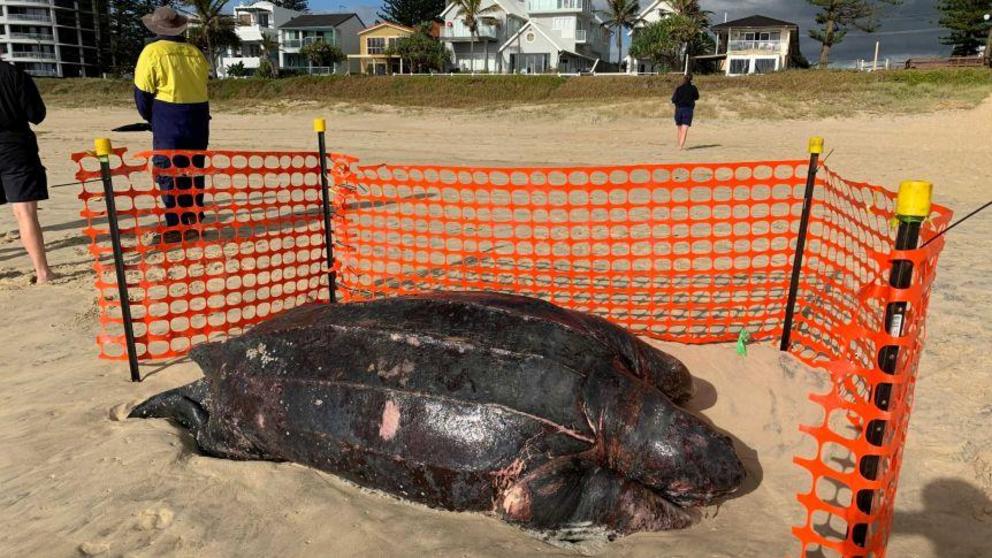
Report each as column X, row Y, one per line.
column 571, row 500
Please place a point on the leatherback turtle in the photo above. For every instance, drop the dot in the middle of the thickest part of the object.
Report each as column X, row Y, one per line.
column 551, row 419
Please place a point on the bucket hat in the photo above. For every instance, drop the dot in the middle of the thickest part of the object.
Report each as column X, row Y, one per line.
column 165, row 21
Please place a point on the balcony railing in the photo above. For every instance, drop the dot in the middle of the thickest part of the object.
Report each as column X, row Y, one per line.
column 32, row 36
column 32, row 54
column 46, row 2
column 459, row 30
column 539, row 6
column 29, row 17
column 299, row 43
column 772, row 46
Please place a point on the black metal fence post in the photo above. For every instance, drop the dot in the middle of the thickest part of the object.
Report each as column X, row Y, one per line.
column 912, row 208
column 103, row 151
column 320, row 126
column 815, row 150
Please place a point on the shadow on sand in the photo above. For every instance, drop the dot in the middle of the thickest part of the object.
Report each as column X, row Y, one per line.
column 956, row 519
column 704, row 397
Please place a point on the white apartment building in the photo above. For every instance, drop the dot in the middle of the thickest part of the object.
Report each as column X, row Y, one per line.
column 528, row 36
column 253, row 22
column 55, row 38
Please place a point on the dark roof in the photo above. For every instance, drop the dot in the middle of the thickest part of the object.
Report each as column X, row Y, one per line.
column 319, row 20
column 755, row 21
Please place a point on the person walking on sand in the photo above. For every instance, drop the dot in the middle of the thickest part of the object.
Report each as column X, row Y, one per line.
column 170, row 92
column 684, row 99
column 23, row 182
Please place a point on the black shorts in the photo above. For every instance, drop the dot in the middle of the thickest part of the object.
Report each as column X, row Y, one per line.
column 23, row 184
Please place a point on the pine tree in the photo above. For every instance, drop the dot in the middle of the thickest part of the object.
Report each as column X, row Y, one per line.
column 297, row 5
column 836, row 17
column 411, row 12
column 127, row 33
column 965, row 20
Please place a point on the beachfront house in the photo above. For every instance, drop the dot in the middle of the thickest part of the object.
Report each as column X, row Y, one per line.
column 341, row 30
column 373, row 55
column 252, row 23
column 482, row 54
column 756, row 45
column 528, row 36
column 653, row 13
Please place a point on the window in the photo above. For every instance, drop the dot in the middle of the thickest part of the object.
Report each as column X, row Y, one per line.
column 244, row 19
column 375, row 45
column 765, row 65
column 263, row 19
column 739, row 66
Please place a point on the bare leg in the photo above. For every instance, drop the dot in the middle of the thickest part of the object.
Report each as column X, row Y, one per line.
column 32, row 238
column 683, row 134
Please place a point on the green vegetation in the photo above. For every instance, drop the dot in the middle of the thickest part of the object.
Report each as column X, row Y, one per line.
column 793, row 94
column 420, row 51
column 322, row 54
column 410, row 12
column 837, row 16
column 966, row 22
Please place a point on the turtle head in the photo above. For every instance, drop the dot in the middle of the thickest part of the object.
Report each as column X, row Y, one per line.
column 646, row 437
column 187, row 405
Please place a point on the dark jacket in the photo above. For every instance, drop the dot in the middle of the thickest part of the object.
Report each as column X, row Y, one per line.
column 686, row 96
column 20, row 106
column 170, row 92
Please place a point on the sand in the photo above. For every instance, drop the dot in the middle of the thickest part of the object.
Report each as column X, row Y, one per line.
column 78, row 480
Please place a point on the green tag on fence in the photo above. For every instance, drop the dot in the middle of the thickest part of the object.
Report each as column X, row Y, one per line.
column 742, row 340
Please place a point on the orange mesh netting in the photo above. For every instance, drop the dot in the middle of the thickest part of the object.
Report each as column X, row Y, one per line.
column 258, row 249
column 692, row 253
column 686, row 253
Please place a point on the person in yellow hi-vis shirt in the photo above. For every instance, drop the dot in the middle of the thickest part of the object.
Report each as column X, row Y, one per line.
column 170, row 92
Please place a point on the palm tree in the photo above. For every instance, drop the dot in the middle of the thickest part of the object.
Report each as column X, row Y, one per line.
column 620, row 15
column 472, row 14
column 694, row 22
column 211, row 28
column 690, row 9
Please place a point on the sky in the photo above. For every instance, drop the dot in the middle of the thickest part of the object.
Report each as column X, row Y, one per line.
column 908, row 30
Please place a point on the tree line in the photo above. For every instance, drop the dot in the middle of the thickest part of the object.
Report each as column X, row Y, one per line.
column 665, row 43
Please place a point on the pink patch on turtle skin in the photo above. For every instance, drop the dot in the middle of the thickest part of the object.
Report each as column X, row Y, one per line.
column 390, row 421
column 516, row 503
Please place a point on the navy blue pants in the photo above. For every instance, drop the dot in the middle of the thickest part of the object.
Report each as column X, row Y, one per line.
column 167, row 184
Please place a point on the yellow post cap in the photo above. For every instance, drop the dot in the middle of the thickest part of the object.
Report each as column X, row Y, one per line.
column 102, row 147
column 914, row 199
column 319, row 125
column 816, row 145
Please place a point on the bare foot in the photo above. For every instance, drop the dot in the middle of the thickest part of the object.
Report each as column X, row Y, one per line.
column 46, row 277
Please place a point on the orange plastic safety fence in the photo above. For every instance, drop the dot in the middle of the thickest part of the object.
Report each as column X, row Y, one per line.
column 693, row 253
column 843, row 328
column 249, row 243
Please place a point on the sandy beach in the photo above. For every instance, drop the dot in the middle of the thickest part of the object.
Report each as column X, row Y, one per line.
column 78, row 480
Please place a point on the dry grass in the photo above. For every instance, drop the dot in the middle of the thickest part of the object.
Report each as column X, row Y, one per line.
column 794, row 94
